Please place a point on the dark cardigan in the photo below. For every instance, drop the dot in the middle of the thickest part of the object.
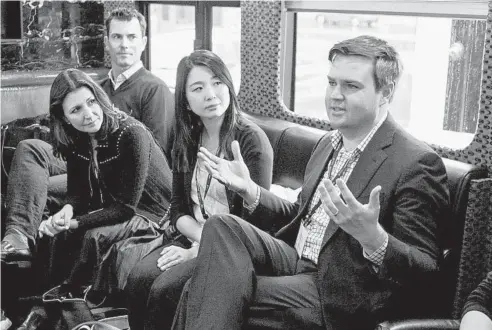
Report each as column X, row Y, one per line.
column 134, row 178
column 258, row 156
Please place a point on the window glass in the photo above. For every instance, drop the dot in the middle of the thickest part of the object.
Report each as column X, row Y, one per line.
column 226, row 39
column 172, row 33
column 437, row 99
column 55, row 35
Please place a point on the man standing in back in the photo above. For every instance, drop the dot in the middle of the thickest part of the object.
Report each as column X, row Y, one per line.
column 131, row 87
column 35, row 171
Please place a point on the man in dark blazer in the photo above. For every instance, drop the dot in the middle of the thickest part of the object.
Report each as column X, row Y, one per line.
column 363, row 230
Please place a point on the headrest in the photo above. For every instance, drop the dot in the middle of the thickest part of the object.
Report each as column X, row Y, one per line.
column 460, row 176
column 292, row 152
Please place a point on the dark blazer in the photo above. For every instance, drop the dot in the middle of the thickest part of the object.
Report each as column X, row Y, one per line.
column 257, row 153
column 413, row 199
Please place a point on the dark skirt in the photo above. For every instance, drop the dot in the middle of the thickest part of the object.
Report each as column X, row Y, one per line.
column 77, row 256
column 119, row 261
column 121, row 258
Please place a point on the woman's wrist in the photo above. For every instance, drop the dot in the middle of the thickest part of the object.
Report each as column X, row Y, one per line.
column 74, row 224
column 249, row 195
column 194, row 249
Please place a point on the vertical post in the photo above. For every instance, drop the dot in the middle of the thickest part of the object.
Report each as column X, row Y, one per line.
column 203, row 23
column 143, row 8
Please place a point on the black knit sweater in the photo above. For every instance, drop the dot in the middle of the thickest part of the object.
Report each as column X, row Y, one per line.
column 257, row 153
column 134, row 177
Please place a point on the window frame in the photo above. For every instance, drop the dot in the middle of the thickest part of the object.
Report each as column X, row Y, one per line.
column 203, row 21
column 474, row 9
column 466, row 9
column 12, row 21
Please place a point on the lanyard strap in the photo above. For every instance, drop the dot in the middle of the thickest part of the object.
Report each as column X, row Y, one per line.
column 207, row 186
column 200, row 199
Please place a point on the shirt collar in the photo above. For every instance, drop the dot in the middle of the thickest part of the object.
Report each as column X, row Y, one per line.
column 336, row 138
column 126, row 74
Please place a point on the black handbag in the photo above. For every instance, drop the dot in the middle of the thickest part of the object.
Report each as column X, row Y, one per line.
column 114, row 319
column 96, row 325
column 64, row 311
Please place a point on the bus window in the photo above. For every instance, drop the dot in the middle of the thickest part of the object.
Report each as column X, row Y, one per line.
column 171, row 37
column 437, row 99
column 226, row 39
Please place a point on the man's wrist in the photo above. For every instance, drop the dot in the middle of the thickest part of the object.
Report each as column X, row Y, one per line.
column 375, row 241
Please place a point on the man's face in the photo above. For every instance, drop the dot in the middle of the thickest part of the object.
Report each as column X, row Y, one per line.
column 125, row 43
column 352, row 102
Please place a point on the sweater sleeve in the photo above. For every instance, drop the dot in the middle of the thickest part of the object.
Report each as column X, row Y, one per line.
column 257, row 153
column 135, row 153
column 179, row 200
column 158, row 115
column 481, row 298
column 75, row 182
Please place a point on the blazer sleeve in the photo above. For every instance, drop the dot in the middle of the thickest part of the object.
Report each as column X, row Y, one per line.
column 420, row 201
column 135, row 152
column 158, row 115
column 481, row 298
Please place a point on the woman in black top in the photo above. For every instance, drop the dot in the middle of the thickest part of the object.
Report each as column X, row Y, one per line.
column 118, row 179
column 207, row 115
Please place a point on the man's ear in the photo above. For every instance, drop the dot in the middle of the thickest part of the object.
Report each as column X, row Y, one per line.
column 144, row 39
column 106, row 41
column 387, row 93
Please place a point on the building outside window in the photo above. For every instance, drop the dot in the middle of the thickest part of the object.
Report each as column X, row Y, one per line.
column 437, row 99
column 54, row 35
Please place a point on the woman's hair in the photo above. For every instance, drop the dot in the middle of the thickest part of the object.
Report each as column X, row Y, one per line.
column 188, row 125
column 64, row 135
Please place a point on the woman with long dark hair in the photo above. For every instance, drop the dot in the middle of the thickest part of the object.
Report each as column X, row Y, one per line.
column 118, row 179
column 207, row 116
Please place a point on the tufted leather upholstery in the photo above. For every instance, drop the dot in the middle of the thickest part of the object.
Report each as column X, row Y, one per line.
column 293, row 144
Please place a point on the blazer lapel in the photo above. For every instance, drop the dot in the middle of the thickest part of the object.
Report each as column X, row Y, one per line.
column 330, row 230
column 312, row 179
column 369, row 162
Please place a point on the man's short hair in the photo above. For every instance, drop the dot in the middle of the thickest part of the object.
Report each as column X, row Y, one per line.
column 387, row 63
column 126, row 14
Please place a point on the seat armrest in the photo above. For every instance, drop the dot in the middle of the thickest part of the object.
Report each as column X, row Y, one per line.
column 424, row 324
